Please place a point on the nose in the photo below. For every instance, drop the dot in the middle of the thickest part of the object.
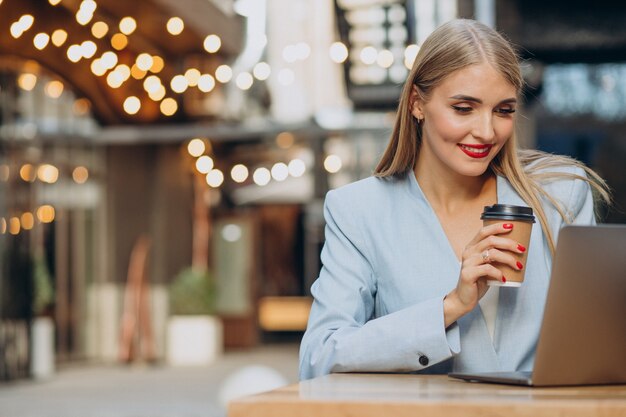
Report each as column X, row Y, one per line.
column 483, row 127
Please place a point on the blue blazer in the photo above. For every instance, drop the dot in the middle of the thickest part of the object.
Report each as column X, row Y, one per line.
column 387, row 264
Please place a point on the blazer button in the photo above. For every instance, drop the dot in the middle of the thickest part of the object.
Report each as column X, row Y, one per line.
column 423, row 360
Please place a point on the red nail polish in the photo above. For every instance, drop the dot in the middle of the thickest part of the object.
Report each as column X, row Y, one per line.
column 508, row 226
column 519, row 265
column 503, row 278
column 521, row 248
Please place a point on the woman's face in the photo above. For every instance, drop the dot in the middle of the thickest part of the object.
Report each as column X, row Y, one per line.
column 467, row 120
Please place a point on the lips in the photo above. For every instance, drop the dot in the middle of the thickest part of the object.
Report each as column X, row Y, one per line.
column 475, row 151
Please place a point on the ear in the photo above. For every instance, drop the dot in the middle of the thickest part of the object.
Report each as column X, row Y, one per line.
column 416, row 104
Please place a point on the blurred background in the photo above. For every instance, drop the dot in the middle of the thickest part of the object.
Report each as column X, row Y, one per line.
column 163, row 166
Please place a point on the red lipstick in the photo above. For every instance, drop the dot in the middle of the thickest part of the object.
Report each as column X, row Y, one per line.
column 475, row 151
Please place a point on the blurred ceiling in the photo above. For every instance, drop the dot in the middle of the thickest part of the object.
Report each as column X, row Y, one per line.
column 566, row 31
column 201, row 18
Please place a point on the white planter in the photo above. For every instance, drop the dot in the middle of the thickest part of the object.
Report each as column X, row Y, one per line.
column 193, row 340
column 42, row 348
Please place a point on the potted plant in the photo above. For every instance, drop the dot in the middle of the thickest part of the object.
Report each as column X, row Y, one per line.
column 194, row 334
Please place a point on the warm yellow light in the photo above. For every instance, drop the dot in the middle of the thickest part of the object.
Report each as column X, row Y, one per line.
column 285, row 140
column 27, row 81
column 14, row 225
column 223, row 73
column 239, row 173
column 280, row 171
column 144, row 61
column 244, row 80
column 48, row 173
column 212, row 43
column 157, row 64
column 99, row 30
column 368, row 55
column 80, row 174
column 59, row 37
column 27, row 173
column 54, row 2
column 26, row 21
column 158, row 94
column 296, row 168
column 204, row 164
column 206, row 83
column 169, row 106
column 261, row 176
column 28, row 220
column 97, row 67
column 119, row 41
column 109, row 59
column 46, row 213
column 88, row 5
column 16, row 30
column 262, row 71
column 74, row 53
column 81, row 106
column 215, row 178
column 410, row 53
column 83, row 16
column 179, row 84
column 136, row 73
column 123, row 70
column 115, row 79
column 128, row 25
column 196, row 147
column 175, row 25
column 3, row 226
column 332, row 163
column 41, row 40
column 54, row 89
column 338, row 52
column 385, row 58
column 132, row 105
column 193, row 76
column 88, row 49
column 152, row 84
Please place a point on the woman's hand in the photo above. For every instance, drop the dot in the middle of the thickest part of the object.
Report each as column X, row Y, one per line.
column 487, row 246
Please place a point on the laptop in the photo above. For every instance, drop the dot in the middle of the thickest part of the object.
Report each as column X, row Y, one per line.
column 583, row 333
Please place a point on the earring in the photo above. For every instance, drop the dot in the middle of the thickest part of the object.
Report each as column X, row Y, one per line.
column 420, row 119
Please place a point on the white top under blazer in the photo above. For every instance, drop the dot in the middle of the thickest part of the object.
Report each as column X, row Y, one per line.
column 387, row 264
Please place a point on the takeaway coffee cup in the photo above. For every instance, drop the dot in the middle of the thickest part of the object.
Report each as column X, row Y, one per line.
column 522, row 219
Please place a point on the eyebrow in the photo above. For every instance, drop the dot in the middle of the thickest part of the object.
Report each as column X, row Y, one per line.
column 479, row 101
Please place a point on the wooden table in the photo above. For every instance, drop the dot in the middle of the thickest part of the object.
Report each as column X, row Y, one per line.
column 364, row 395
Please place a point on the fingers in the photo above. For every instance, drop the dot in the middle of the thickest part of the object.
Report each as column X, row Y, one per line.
column 471, row 274
column 492, row 229
column 501, row 243
column 498, row 257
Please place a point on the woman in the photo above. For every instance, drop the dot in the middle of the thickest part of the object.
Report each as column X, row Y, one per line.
column 403, row 287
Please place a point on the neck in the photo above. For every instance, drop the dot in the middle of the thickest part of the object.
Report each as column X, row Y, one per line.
column 450, row 191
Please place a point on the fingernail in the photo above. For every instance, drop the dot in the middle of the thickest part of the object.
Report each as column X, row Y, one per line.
column 519, row 265
column 521, row 248
column 508, row 226
column 503, row 278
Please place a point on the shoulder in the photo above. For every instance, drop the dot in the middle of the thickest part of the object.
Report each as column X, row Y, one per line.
column 562, row 179
column 369, row 191
column 365, row 200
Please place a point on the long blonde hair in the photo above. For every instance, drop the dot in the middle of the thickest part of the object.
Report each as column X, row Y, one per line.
column 451, row 47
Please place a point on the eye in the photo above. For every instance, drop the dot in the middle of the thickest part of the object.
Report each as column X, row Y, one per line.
column 462, row 109
column 505, row 110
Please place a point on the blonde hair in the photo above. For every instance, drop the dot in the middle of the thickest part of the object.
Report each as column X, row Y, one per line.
column 451, row 47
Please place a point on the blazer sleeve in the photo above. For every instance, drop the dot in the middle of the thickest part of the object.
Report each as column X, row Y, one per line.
column 576, row 199
column 342, row 334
